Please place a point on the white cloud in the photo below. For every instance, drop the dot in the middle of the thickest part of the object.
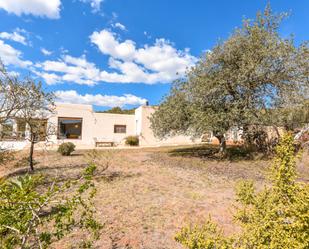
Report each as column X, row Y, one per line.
column 108, row 44
column 119, row 26
column 46, row 8
column 72, row 96
column 161, row 59
column 12, row 56
column 49, row 78
column 150, row 64
column 95, row 4
column 80, row 71
column 71, row 69
column 45, row 51
column 15, row 36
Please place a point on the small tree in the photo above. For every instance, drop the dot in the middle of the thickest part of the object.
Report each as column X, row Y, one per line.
column 10, row 92
column 10, row 104
column 37, row 107
column 238, row 84
column 276, row 217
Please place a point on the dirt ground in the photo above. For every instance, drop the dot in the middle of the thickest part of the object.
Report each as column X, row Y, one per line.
column 147, row 195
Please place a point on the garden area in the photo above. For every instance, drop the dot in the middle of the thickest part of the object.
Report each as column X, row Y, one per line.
column 145, row 196
column 246, row 187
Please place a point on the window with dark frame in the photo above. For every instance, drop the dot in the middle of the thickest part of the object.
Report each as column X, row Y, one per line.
column 7, row 131
column 120, row 128
column 21, row 129
column 42, row 130
column 70, row 128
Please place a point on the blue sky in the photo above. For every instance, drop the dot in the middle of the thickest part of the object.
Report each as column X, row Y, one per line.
column 122, row 52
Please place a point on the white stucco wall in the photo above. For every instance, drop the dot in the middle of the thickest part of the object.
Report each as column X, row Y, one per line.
column 74, row 111
column 146, row 136
column 98, row 126
column 138, row 121
column 104, row 126
column 13, row 145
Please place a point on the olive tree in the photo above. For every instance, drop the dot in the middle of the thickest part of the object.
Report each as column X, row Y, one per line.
column 238, row 84
column 37, row 108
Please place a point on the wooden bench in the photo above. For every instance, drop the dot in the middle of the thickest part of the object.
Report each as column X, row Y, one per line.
column 104, row 144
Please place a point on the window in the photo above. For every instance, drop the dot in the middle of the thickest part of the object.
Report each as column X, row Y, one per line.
column 70, row 128
column 7, row 131
column 21, row 129
column 42, row 130
column 120, row 128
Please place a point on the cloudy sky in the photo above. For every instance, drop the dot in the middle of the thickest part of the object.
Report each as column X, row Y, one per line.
column 122, row 52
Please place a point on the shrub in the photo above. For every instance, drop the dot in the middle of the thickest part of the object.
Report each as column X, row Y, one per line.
column 34, row 215
column 206, row 236
column 132, row 140
column 66, row 149
column 257, row 139
column 276, row 217
column 102, row 159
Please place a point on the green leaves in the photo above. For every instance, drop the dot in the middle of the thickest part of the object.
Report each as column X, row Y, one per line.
column 276, row 214
column 89, row 171
column 284, row 172
column 33, row 215
column 276, row 217
column 244, row 81
column 66, row 149
column 207, row 236
column 245, row 192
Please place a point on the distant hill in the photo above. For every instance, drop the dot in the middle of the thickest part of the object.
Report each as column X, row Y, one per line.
column 118, row 110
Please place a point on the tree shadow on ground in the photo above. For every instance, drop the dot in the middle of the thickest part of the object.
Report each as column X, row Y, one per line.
column 63, row 173
column 40, row 170
column 104, row 176
column 211, row 152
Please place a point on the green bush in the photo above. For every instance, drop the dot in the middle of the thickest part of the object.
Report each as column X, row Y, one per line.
column 276, row 217
column 35, row 213
column 206, row 236
column 66, row 149
column 132, row 140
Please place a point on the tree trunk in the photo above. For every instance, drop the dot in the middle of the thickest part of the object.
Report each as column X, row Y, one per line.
column 222, row 144
column 277, row 131
column 31, row 155
column 301, row 132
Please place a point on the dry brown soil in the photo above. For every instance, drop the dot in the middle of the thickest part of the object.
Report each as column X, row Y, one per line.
column 147, row 195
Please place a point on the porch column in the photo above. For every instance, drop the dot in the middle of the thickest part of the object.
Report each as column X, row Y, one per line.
column 27, row 132
column 14, row 122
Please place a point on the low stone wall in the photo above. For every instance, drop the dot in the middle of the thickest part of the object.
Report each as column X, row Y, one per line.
column 13, row 145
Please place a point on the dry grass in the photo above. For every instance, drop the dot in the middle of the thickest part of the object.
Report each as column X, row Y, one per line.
column 146, row 195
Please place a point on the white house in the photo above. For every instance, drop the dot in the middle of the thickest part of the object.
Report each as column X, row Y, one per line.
column 84, row 127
